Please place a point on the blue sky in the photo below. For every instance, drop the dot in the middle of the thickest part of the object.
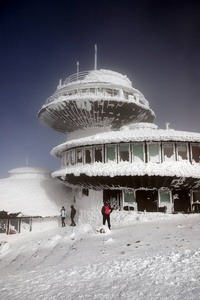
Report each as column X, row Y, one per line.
column 155, row 43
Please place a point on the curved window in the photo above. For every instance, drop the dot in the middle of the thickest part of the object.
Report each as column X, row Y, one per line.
column 72, row 157
column 110, row 153
column 88, row 155
column 98, row 154
column 132, row 152
column 124, row 152
column 182, row 152
column 79, row 155
column 195, row 152
column 138, row 152
column 154, row 153
column 67, row 158
column 168, row 152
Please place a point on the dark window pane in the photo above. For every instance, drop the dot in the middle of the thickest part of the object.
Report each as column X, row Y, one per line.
column 98, row 154
column 182, row 151
column 168, row 152
column 124, row 152
column 88, row 156
column 196, row 153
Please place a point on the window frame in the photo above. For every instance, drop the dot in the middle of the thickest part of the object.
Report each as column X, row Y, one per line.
column 118, row 152
column 129, row 202
column 164, row 191
column 91, row 152
column 63, row 160
column 159, row 152
column 174, row 151
column 80, row 149
column 72, row 157
column 94, row 148
column 133, row 155
column 106, row 152
column 191, row 152
column 177, row 152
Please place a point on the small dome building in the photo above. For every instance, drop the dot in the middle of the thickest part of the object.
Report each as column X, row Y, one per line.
column 30, row 201
column 115, row 152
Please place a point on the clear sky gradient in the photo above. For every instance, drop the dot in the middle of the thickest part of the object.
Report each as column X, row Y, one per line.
column 155, row 43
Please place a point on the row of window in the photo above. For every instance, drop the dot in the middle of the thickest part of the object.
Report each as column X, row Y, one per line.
column 164, row 196
column 103, row 92
column 133, row 152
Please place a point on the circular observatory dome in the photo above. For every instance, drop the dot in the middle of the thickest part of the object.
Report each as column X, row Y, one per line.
column 95, row 99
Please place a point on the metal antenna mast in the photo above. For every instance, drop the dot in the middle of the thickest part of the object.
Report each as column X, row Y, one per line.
column 77, row 70
column 95, row 57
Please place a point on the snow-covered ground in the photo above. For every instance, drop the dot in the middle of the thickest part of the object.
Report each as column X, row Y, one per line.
column 144, row 256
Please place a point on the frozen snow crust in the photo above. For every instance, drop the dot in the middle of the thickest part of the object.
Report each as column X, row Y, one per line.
column 112, row 169
column 144, row 256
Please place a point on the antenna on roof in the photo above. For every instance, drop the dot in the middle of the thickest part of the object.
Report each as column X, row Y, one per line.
column 77, row 72
column 167, row 126
column 95, row 57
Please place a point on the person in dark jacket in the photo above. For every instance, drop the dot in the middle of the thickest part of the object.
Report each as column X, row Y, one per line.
column 106, row 211
column 72, row 215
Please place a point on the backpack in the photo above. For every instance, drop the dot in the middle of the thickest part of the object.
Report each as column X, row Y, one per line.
column 107, row 210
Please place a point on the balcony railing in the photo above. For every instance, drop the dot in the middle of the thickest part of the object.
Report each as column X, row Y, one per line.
column 76, row 77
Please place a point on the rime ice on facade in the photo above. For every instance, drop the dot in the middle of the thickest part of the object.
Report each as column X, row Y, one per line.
column 115, row 151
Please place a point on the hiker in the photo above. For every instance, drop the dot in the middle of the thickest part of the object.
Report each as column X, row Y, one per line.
column 72, row 215
column 106, row 210
column 63, row 214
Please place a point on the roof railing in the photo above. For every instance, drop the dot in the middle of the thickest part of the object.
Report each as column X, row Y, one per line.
column 76, row 77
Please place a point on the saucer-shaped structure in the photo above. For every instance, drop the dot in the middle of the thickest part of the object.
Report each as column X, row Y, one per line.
column 98, row 98
column 149, row 163
column 141, row 156
column 114, row 152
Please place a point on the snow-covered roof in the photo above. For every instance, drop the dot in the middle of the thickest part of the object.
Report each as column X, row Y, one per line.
column 28, row 172
column 106, row 76
column 112, row 169
column 136, row 133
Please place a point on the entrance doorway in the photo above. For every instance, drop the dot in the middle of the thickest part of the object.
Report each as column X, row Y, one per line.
column 147, row 200
column 113, row 197
column 182, row 201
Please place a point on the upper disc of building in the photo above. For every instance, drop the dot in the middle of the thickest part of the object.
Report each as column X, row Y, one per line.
column 98, row 98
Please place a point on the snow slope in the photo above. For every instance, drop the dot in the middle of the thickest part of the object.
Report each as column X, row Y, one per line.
column 144, row 256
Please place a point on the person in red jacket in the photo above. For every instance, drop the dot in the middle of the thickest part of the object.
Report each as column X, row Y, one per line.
column 106, row 211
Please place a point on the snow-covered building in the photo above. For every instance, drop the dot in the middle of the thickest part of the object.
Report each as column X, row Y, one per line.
column 114, row 152
column 29, row 200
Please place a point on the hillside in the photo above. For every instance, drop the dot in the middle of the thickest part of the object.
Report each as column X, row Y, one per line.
column 156, row 256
